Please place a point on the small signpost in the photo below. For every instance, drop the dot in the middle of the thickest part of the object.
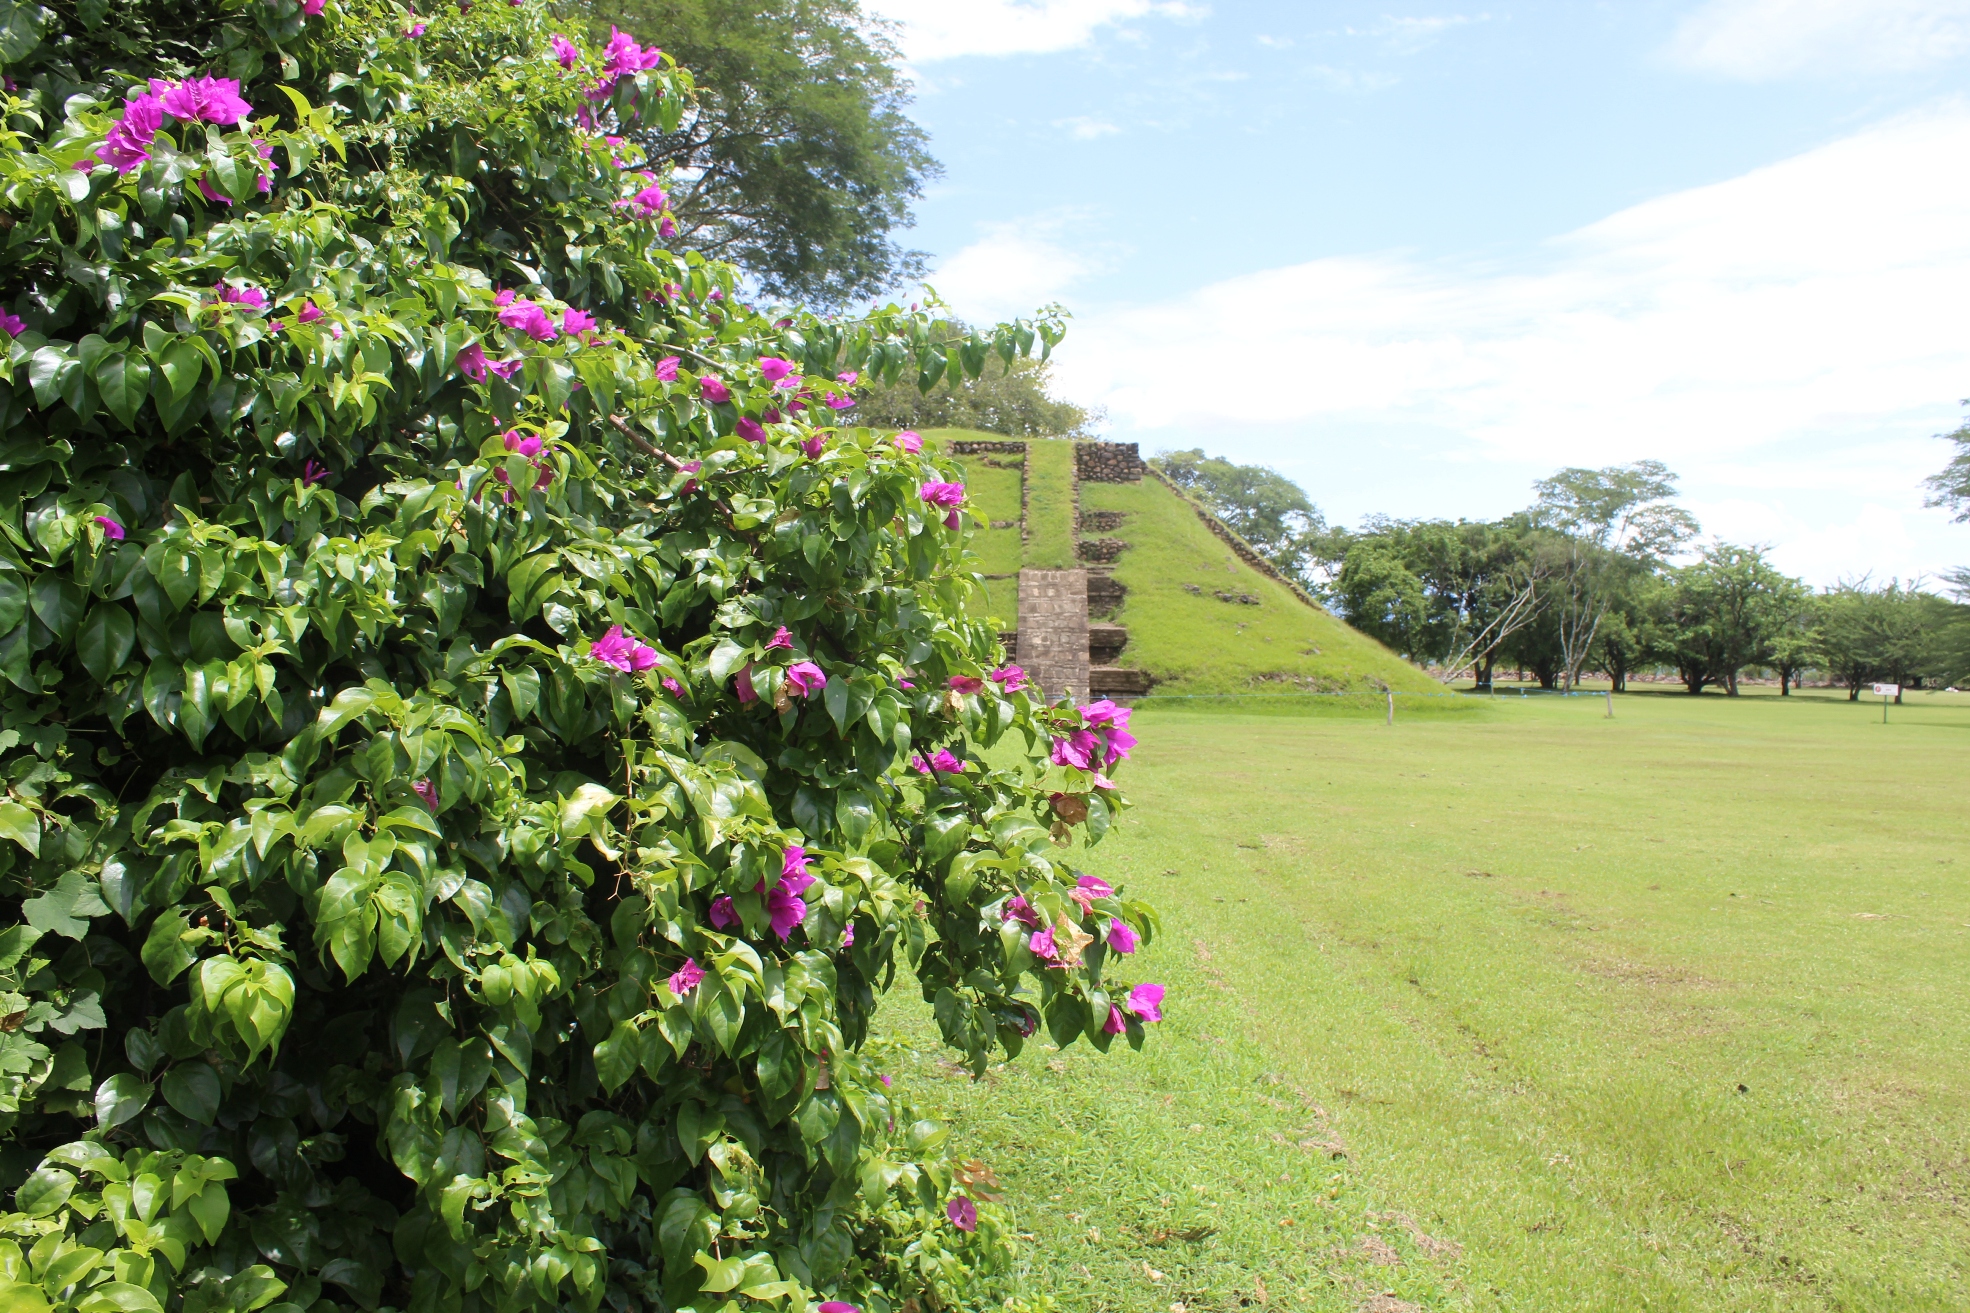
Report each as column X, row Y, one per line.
column 1887, row 691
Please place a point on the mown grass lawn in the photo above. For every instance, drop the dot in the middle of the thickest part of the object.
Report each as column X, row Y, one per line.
column 1667, row 1011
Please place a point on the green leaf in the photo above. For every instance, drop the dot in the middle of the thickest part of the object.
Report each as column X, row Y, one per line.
column 124, row 381
column 181, row 365
column 65, row 910
column 58, row 603
column 167, row 950
column 106, row 639
column 20, row 825
column 618, row 1056
column 120, row 1098
column 44, row 1192
column 193, row 1089
column 835, row 697
column 209, row 1208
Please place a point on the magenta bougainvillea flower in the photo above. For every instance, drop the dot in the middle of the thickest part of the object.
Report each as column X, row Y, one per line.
column 814, row 445
column 722, row 914
column 749, row 429
column 775, row 368
column 576, row 321
column 909, row 442
column 668, row 228
column 648, row 203
column 672, row 687
column 713, row 389
column 427, row 791
column 313, row 472
column 527, row 446
column 807, row 678
column 127, row 145
column 942, row 494
column 565, row 53
column 840, row 403
column 504, row 297
column 416, row 30
column 782, row 640
column 1146, row 1001
column 111, row 529
column 205, row 190
column 471, row 362
column 1077, row 748
column 1018, row 909
column 1042, row 944
column 1121, row 935
column 623, row 651
column 12, row 324
column 966, row 684
column 310, row 312
column 963, row 1213
column 848, row 939
column 1088, row 889
column 942, row 761
column 667, row 369
column 835, row 1306
column 246, row 298
column 686, row 978
column 1115, row 1024
column 742, row 686
column 793, row 863
column 1011, row 678
column 203, row 100
column 313, row 8
column 530, row 319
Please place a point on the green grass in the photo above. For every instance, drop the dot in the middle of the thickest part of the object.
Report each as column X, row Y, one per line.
column 1195, row 643
column 995, row 493
column 1050, row 504
column 1667, row 1011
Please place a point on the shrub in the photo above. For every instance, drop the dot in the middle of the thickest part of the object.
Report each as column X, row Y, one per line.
column 477, row 739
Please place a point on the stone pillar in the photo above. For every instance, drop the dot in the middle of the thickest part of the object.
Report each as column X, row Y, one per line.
column 1053, row 631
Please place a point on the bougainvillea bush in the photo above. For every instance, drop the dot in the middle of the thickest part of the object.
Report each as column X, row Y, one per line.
column 482, row 725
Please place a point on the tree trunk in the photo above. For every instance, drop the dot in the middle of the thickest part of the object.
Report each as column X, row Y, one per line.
column 1785, row 681
column 1484, row 674
column 1730, row 683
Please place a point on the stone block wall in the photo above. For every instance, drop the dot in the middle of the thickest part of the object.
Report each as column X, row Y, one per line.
column 1053, row 630
column 987, row 448
column 1108, row 462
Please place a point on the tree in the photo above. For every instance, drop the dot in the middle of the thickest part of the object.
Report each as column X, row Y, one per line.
column 1382, row 597
column 1725, row 611
column 1895, row 633
column 1259, row 504
column 1950, row 487
column 474, row 751
column 1010, row 398
column 1612, row 524
column 797, row 160
column 1629, row 636
column 1795, row 647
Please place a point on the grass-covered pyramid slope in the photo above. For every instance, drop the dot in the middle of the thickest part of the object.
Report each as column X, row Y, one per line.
column 1194, row 641
column 1179, row 577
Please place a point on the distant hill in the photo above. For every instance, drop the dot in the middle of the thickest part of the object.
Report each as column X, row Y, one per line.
column 1171, row 594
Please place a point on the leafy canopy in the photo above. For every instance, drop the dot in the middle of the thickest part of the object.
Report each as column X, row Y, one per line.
column 477, row 736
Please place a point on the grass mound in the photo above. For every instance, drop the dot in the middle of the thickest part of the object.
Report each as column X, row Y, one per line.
column 1191, row 628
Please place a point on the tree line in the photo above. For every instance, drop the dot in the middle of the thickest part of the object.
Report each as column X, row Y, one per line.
column 1602, row 575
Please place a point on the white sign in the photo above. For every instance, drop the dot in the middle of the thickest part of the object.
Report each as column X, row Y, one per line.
column 1888, row 690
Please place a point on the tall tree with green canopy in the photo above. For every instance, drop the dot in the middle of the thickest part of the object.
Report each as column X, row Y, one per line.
column 1612, row 524
column 1725, row 612
column 478, row 737
column 797, row 160
column 1011, row 397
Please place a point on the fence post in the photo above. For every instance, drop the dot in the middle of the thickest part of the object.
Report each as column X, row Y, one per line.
column 1610, row 704
column 1391, row 708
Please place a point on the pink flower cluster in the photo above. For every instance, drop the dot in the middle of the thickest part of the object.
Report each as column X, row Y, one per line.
column 195, row 100
column 1105, row 740
column 785, row 908
column 624, row 652
column 943, row 762
column 624, row 57
column 472, row 363
column 949, row 495
column 12, row 324
column 529, row 447
column 246, row 298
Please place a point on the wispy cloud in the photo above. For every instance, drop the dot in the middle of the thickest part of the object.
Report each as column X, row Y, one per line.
column 948, row 29
column 1757, row 40
column 1083, row 128
column 1803, row 315
column 1017, row 267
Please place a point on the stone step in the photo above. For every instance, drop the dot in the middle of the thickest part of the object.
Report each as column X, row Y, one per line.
column 1117, row 682
column 1105, row 593
column 1105, row 643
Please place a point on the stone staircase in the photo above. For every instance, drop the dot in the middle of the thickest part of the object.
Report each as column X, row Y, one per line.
column 1062, row 652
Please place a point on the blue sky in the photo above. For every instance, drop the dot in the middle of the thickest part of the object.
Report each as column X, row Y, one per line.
column 1419, row 257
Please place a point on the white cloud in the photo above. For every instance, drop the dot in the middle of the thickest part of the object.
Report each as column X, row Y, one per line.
column 1760, row 39
column 1082, row 128
column 947, row 29
column 1013, row 270
column 1800, row 324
